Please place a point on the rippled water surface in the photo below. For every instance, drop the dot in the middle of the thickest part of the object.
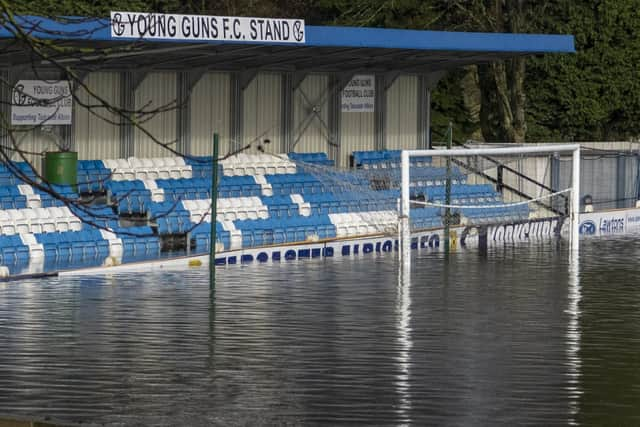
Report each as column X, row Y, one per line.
column 513, row 336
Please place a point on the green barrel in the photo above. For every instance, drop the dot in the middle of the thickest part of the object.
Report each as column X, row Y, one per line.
column 61, row 167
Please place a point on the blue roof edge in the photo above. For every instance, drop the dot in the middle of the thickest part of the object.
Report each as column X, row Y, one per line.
column 97, row 29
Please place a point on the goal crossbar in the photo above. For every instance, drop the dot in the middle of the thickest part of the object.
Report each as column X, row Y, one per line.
column 405, row 232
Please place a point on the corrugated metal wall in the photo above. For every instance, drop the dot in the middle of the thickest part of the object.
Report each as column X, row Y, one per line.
column 357, row 131
column 262, row 112
column 402, row 113
column 95, row 137
column 310, row 132
column 210, row 112
column 157, row 90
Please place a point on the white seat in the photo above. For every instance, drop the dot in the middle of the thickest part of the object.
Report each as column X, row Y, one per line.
column 123, row 164
column 157, row 162
column 169, row 161
column 110, row 163
column 186, row 172
column 140, row 174
column 147, row 163
column 134, row 162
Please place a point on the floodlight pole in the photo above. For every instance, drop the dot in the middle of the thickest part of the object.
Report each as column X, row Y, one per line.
column 214, row 209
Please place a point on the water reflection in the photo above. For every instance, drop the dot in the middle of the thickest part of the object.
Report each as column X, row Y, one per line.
column 573, row 336
column 403, row 381
column 516, row 335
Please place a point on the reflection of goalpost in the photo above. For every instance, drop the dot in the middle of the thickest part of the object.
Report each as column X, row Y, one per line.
column 404, row 226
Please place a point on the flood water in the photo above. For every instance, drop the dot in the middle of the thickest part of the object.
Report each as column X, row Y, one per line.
column 512, row 336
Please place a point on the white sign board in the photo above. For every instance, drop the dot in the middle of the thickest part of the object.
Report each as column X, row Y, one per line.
column 620, row 221
column 359, row 95
column 36, row 102
column 206, row 28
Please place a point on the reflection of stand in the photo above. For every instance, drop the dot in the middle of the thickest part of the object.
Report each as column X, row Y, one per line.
column 573, row 334
column 405, row 344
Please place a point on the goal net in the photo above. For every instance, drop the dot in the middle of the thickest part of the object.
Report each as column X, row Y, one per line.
column 484, row 186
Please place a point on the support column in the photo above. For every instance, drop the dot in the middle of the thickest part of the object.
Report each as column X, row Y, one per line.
column 335, row 113
column 5, row 106
column 287, row 112
column 380, row 113
column 426, row 83
column 128, row 100
column 186, row 81
column 237, row 111
column 183, row 120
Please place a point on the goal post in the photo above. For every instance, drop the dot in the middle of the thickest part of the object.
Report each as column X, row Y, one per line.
column 405, row 192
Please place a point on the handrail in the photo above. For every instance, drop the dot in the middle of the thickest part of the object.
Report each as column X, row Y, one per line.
column 510, row 188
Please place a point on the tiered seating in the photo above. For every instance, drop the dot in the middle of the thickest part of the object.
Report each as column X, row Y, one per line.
column 100, row 216
column 9, row 177
column 138, row 242
column 359, row 223
column 257, row 164
column 155, row 168
column 228, row 209
column 201, row 166
column 13, row 250
column 170, row 218
column 325, row 203
column 313, row 158
column 425, row 218
column 385, row 159
column 38, row 220
column 74, row 245
column 130, row 197
column 200, row 188
column 464, row 193
column 201, row 235
column 92, row 175
column 296, row 229
column 282, row 207
column 11, row 197
column 296, row 183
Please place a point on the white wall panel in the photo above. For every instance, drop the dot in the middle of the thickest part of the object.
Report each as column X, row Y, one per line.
column 310, row 133
column 262, row 111
column 210, row 112
column 402, row 113
column 357, row 131
column 95, row 135
column 157, row 91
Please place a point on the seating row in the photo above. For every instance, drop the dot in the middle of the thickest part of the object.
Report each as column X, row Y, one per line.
column 74, row 245
column 38, row 220
column 136, row 168
column 385, row 158
column 257, row 164
column 312, row 158
column 228, row 209
column 13, row 250
column 359, row 223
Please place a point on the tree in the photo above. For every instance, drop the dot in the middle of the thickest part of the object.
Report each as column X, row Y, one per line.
column 594, row 94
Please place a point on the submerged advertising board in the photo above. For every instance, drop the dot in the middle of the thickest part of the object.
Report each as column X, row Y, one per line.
column 622, row 221
column 136, row 25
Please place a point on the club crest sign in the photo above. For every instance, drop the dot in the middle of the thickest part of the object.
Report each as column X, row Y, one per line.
column 135, row 25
